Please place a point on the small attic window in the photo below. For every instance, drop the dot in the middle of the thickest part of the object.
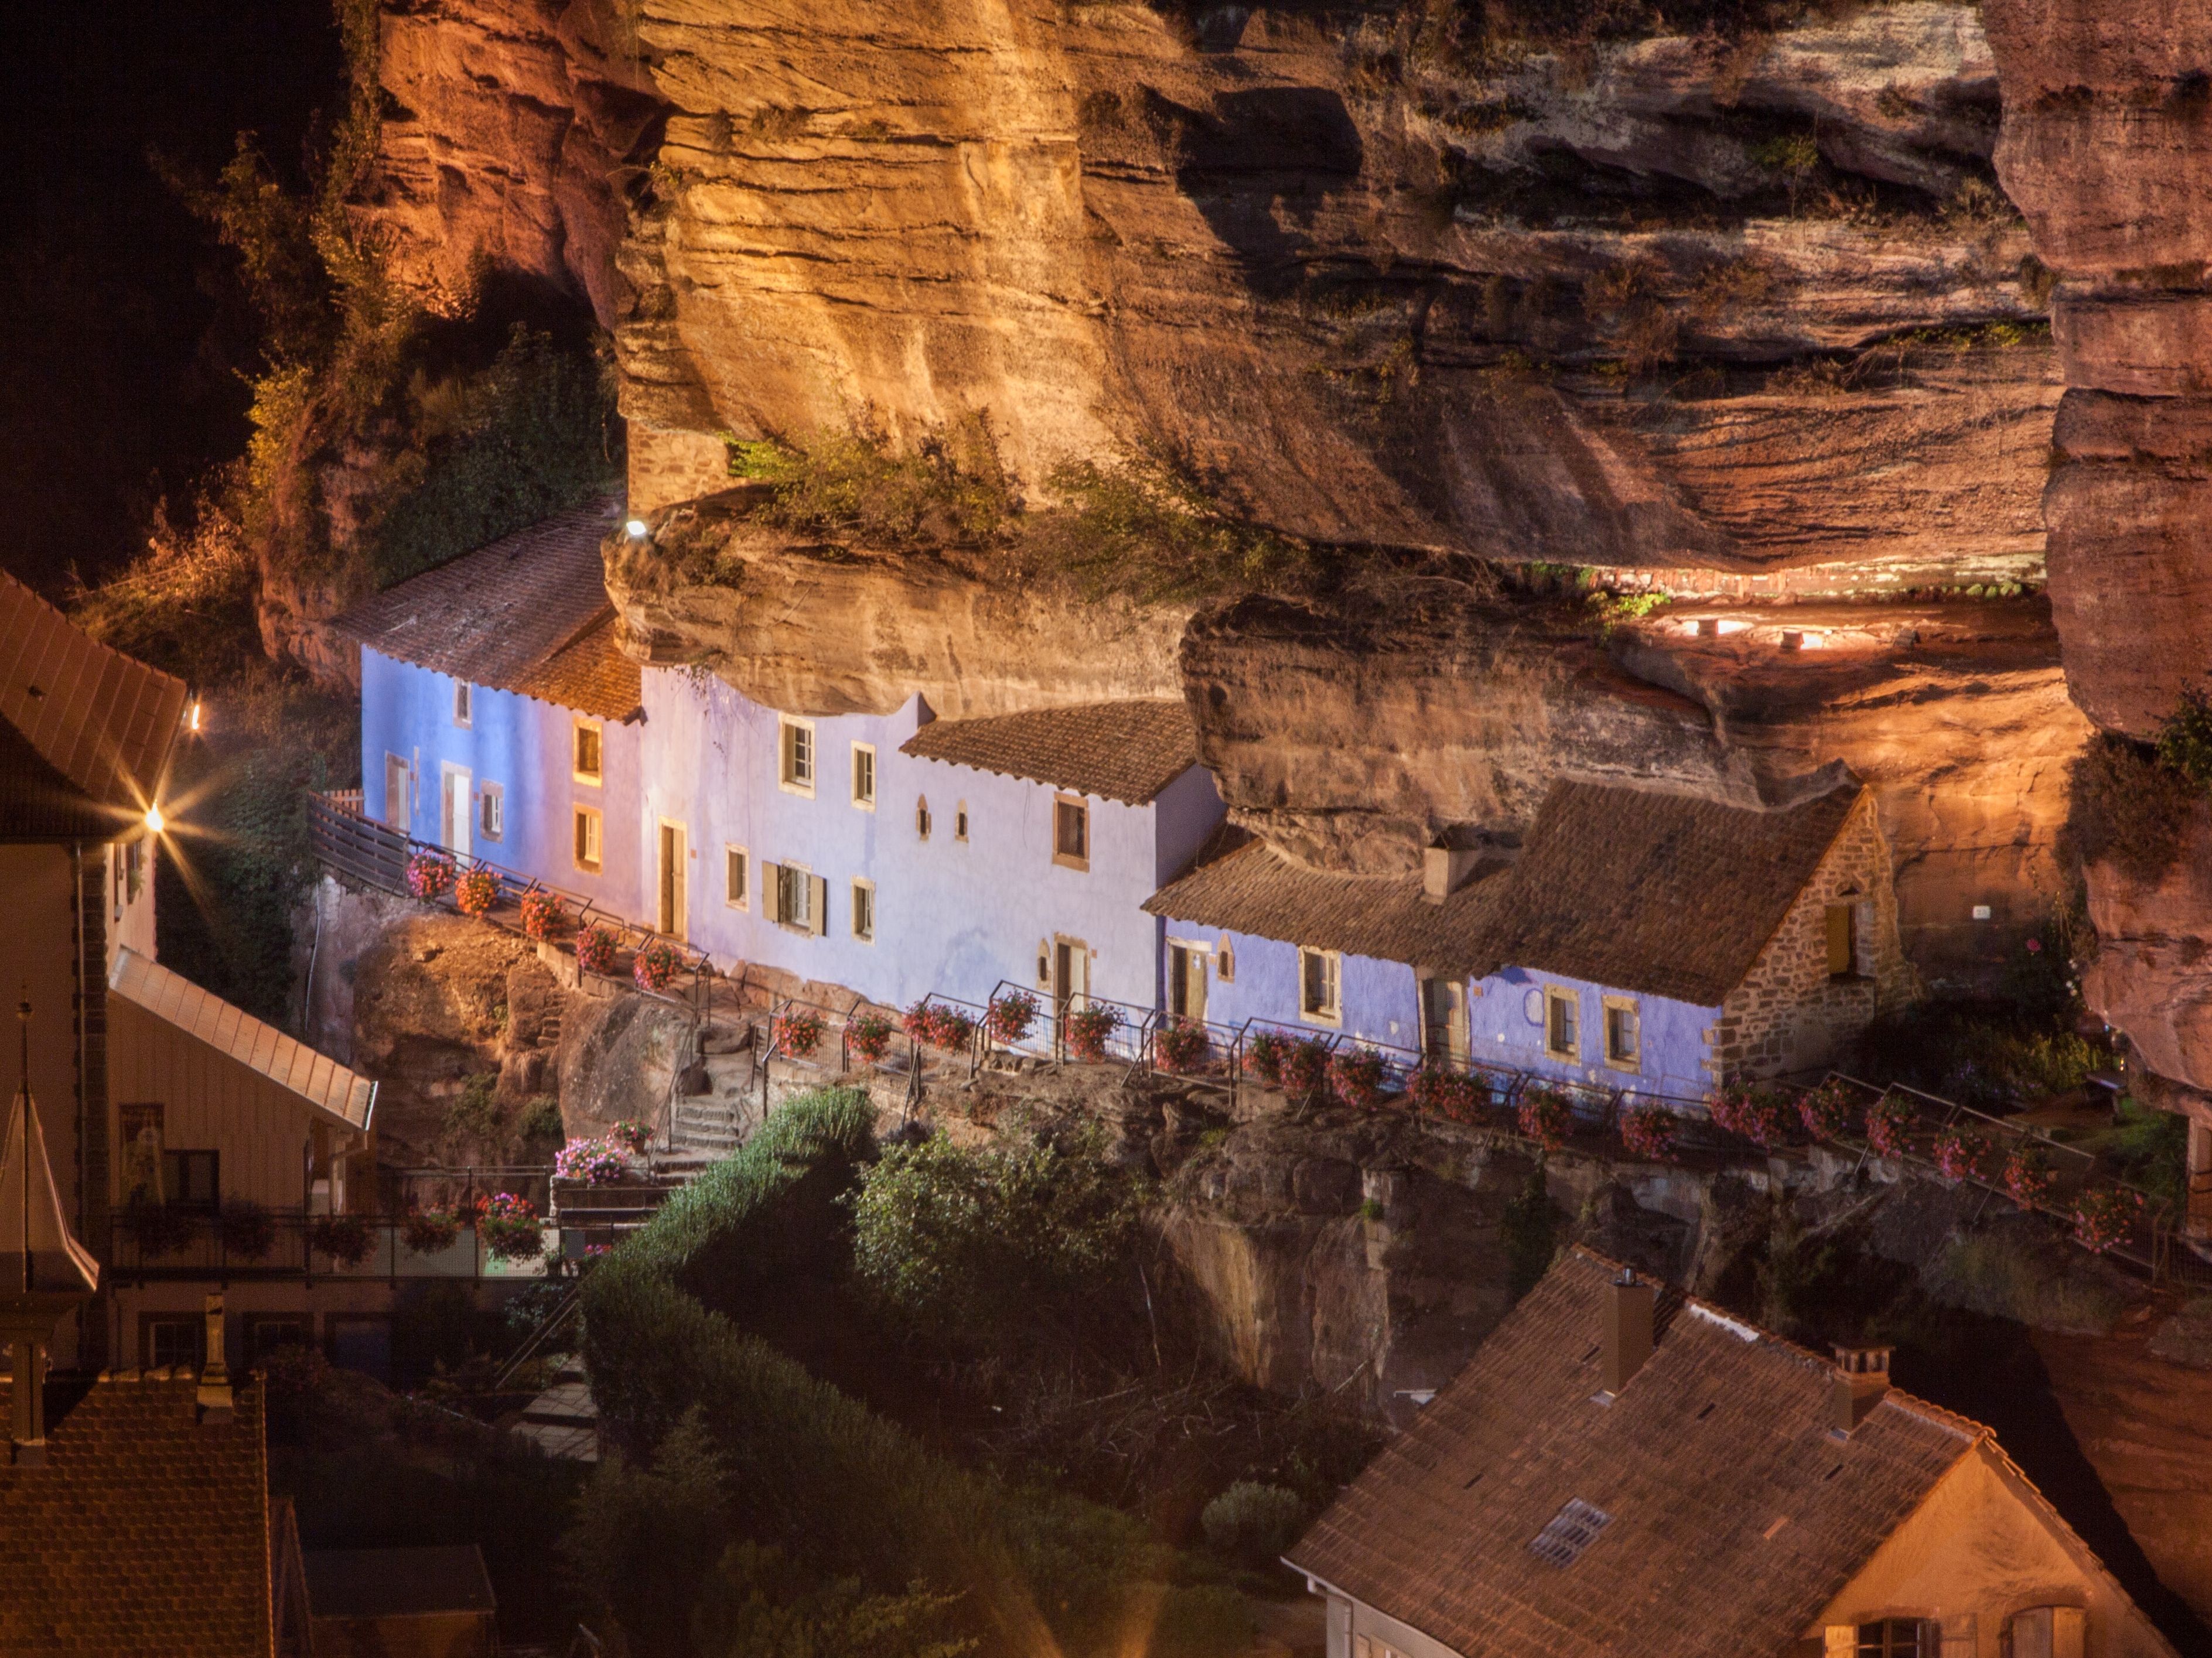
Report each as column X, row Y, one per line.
column 1571, row 1530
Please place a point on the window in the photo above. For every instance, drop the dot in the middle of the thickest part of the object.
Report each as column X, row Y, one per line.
column 796, row 897
column 1624, row 1033
column 796, row 767
column 1070, row 832
column 734, row 871
column 1843, row 941
column 1897, row 1637
column 266, row 1331
column 864, row 910
column 491, row 811
column 461, row 688
column 921, row 817
column 960, row 822
column 1563, row 1034
column 1319, row 985
column 864, row 776
column 172, row 1340
column 588, row 838
column 2045, row 1632
column 190, row 1179
column 1225, row 962
column 591, row 752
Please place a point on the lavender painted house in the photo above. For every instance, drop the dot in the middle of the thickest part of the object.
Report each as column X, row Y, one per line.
column 1649, row 943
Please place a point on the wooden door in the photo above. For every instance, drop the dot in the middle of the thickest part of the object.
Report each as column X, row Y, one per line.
column 1443, row 1018
column 395, row 793
column 673, row 855
column 1070, row 974
column 1187, row 981
column 454, row 818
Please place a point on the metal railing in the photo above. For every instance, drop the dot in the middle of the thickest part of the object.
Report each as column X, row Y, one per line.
column 308, row 1246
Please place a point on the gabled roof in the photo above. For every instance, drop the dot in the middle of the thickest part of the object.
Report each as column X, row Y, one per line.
column 320, row 1083
column 528, row 613
column 147, row 1531
column 1732, row 1517
column 1125, row 752
column 1668, row 895
column 85, row 731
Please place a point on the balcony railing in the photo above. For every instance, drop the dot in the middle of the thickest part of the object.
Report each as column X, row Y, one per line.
column 296, row 1250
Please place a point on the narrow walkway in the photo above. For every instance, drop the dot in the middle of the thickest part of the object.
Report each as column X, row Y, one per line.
column 563, row 1421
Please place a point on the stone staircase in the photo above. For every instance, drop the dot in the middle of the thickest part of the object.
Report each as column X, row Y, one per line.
column 563, row 1421
column 716, row 1100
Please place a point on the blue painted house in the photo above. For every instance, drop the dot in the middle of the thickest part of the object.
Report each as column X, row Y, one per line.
column 1650, row 942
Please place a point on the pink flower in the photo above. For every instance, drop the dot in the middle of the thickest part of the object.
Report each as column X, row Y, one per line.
column 2035, row 946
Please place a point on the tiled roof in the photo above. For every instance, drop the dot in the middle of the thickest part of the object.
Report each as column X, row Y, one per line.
column 1125, row 752
column 590, row 674
column 506, row 615
column 1733, row 1516
column 147, row 1531
column 397, row 1583
column 1665, row 894
column 85, row 731
column 320, row 1082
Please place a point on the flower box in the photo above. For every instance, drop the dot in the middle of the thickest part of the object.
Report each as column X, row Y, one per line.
column 1355, row 1076
column 1757, row 1112
column 248, row 1231
column 1889, row 1124
column 1649, row 1131
column 345, row 1239
column 940, row 1026
column 475, row 892
column 1449, row 1094
column 159, row 1228
column 595, row 1161
column 430, row 874
column 1264, row 1058
column 656, row 964
column 2028, row 1176
column 1828, row 1112
column 509, row 1227
column 1088, row 1028
column 1304, row 1067
column 797, row 1032
column 1961, row 1154
column 869, row 1035
column 632, row 1136
column 2104, row 1217
column 596, row 946
column 430, row 1231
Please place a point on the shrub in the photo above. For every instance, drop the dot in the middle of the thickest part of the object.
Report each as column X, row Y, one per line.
column 631, row 1136
column 509, row 1226
column 248, row 1231
column 1147, row 530
column 2006, row 1272
column 756, row 1603
column 1547, row 1118
column 870, row 1034
column 1960, row 1153
column 1829, row 1112
column 2028, row 1175
column 1890, row 1121
column 345, row 1239
column 1182, row 1045
column 2105, row 1216
column 1253, row 1522
column 596, row 947
column 597, row 1162
column 656, row 964
column 1355, row 1076
column 430, row 874
column 2127, row 808
column 1648, row 1131
column 1010, row 1016
column 475, row 892
column 797, row 1031
column 430, row 1231
column 1449, row 1093
column 541, row 1120
column 545, row 916
column 952, row 490
column 1088, row 1027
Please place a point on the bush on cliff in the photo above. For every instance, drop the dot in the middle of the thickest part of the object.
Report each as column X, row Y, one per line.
column 2129, row 808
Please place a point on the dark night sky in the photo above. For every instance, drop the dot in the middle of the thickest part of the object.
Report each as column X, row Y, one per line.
column 117, row 368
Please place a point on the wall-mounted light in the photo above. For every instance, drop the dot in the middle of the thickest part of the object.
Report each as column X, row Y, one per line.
column 192, row 718
column 154, row 821
column 637, row 529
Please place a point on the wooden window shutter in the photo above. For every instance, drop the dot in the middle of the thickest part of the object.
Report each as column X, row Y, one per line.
column 2070, row 1632
column 1840, row 1641
column 771, row 889
column 817, row 889
column 1959, row 1635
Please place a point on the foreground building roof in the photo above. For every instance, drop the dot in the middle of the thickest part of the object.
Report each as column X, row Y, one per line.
column 1124, row 751
column 529, row 613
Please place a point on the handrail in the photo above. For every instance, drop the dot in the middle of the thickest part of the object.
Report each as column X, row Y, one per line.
column 564, row 1310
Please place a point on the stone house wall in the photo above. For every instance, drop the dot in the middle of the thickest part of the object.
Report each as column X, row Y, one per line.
column 1789, row 1014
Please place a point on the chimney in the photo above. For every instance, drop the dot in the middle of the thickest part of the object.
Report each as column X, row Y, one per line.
column 1627, row 1328
column 1862, row 1378
column 27, row 1342
column 215, row 1401
column 1444, row 870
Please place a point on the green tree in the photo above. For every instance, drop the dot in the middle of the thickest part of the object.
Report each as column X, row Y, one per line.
column 645, row 1538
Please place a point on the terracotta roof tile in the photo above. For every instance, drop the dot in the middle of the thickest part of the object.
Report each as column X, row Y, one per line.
column 526, row 610
column 590, row 674
column 1733, row 1516
column 147, row 1531
column 1125, row 752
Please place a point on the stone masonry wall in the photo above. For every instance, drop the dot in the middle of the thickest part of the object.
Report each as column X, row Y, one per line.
column 1789, row 1014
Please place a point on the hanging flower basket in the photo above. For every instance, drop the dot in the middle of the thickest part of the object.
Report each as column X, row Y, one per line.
column 1356, row 1077
column 430, row 874
column 1889, row 1124
column 595, row 949
column 2028, row 1176
column 159, row 1228
column 430, row 1231
column 1758, row 1113
column 1088, row 1027
column 656, row 964
column 1181, row 1047
column 1649, row 1131
column 1449, row 1094
column 545, row 916
column 475, row 892
column 509, row 1227
column 1828, row 1112
column 2104, row 1217
column 869, row 1035
column 1961, row 1154
column 1263, row 1058
column 797, row 1032
column 595, row 1161
column 1547, row 1118
column 1010, row 1016
column 940, row 1026
column 1305, row 1067
column 248, row 1231
column 344, row 1238
column 632, row 1136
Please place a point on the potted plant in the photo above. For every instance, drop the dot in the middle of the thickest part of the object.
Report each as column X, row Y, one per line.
column 430, row 1231
column 1757, row 1112
column 248, row 1231
column 1087, row 1029
column 940, row 1026
column 656, row 964
column 475, row 892
column 1546, row 1117
column 345, row 1239
column 2103, row 1216
column 2028, row 1176
column 1356, row 1076
column 545, row 916
column 594, row 1162
column 160, row 1228
column 798, row 1031
column 1649, row 1131
column 869, row 1035
column 1304, row 1067
column 1828, row 1110
column 1264, row 1058
column 595, row 949
column 631, row 1135
column 509, row 1227
column 430, row 874
column 1889, row 1124
column 1010, row 1016
column 1960, row 1154
column 1439, row 1091
column 1182, row 1045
